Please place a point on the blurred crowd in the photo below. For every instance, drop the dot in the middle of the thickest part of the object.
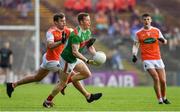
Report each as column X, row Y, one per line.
column 118, row 21
column 98, row 5
column 22, row 6
column 115, row 22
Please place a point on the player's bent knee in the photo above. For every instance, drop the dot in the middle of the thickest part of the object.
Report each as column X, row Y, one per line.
column 163, row 81
column 156, row 79
column 88, row 75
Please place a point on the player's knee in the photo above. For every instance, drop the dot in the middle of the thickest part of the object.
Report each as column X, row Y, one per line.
column 163, row 81
column 156, row 79
column 88, row 74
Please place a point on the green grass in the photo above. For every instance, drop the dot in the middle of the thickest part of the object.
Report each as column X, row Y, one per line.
column 30, row 98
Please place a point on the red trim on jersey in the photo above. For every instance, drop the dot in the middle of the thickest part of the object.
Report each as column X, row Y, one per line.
column 76, row 31
column 82, row 44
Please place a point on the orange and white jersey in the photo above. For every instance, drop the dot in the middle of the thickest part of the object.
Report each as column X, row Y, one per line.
column 54, row 34
column 148, row 43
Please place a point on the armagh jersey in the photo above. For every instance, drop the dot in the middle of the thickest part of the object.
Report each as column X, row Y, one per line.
column 54, row 34
column 149, row 45
column 76, row 37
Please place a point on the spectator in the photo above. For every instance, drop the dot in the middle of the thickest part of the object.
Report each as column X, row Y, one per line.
column 121, row 5
column 79, row 6
column 6, row 61
column 101, row 5
column 134, row 28
column 135, row 16
column 101, row 21
column 158, row 18
column 24, row 7
column 87, row 5
column 68, row 4
column 131, row 5
column 116, row 60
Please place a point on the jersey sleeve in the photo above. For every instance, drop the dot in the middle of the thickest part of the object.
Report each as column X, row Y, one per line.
column 160, row 34
column 68, row 31
column 75, row 39
column 49, row 36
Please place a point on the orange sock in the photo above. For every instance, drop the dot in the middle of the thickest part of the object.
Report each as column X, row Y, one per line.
column 69, row 79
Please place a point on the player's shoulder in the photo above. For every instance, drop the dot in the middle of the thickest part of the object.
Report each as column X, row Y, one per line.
column 155, row 28
column 68, row 29
column 76, row 31
column 139, row 31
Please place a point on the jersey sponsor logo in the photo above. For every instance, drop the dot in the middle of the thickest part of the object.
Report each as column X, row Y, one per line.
column 150, row 40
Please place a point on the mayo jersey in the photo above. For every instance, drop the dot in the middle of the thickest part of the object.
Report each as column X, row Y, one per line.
column 76, row 37
column 54, row 34
column 149, row 45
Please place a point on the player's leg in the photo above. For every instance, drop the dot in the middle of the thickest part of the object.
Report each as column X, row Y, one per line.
column 2, row 76
column 32, row 78
column 28, row 79
column 162, row 78
column 89, row 96
column 156, row 81
column 83, row 72
column 63, row 82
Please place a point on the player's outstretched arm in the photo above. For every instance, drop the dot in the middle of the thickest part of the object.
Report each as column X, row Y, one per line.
column 135, row 51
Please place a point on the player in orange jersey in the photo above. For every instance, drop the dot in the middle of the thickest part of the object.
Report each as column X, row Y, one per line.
column 148, row 38
column 56, row 37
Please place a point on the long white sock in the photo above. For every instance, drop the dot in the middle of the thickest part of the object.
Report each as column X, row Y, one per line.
column 160, row 100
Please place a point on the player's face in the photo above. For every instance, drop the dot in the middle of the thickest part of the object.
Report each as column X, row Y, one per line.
column 86, row 22
column 61, row 23
column 147, row 21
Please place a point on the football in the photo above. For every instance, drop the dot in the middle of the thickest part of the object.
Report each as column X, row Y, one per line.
column 99, row 57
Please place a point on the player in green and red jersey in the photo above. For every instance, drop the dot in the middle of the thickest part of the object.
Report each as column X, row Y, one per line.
column 72, row 59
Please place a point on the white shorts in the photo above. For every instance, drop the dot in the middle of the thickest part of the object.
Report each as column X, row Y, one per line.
column 68, row 67
column 157, row 64
column 53, row 65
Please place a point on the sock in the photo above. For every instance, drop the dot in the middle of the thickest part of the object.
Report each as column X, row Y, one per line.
column 88, row 97
column 160, row 100
column 50, row 97
column 164, row 98
column 70, row 79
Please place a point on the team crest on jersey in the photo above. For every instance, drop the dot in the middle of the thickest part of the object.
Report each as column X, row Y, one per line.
column 149, row 40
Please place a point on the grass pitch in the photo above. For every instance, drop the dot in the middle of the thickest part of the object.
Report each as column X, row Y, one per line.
column 30, row 97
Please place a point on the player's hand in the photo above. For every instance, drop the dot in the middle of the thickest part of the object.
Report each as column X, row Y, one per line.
column 91, row 62
column 161, row 40
column 134, row 59
column 64, row 37
column 90, row 42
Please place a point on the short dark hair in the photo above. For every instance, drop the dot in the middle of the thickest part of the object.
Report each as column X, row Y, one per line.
column 146, row 15
column 81, row 16
column 58, row 16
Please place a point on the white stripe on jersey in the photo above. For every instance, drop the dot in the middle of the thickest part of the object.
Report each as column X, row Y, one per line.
column 50, row 36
